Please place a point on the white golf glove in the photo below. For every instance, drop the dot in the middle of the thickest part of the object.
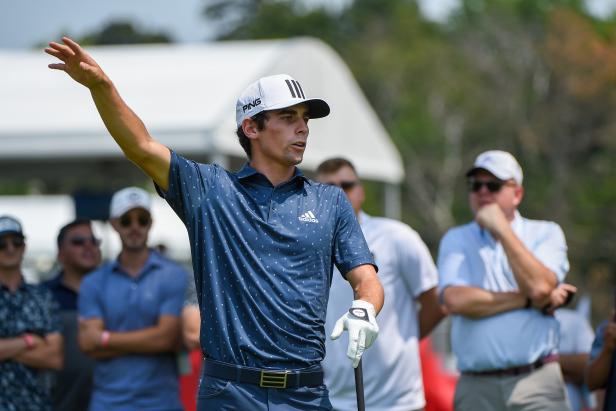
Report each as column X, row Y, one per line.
column 361, row 323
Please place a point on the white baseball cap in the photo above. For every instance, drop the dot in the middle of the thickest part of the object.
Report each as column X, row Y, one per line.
column 127, row 199
column 276, row 92
column 501, row 164
column 9, row 224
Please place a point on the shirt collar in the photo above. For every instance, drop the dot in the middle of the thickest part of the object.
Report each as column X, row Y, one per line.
column 154, row 260
column 363, row 218
column 248, row 171
column 516, row 225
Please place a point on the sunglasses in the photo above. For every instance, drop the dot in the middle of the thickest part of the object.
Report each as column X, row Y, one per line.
column 346, row 185
column 79, row 241
column 493, row 186
column 143, row 220
column 17, row 242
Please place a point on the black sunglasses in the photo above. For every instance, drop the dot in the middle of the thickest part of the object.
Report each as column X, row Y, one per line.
column 493, row 186
column 17, row 242
column 142, row 219
column 80, row 241
column 345, row 185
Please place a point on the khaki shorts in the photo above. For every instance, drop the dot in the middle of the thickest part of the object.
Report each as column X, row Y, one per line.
column 540, row 390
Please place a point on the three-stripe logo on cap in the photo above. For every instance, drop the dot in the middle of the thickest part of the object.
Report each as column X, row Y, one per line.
column 295, row 89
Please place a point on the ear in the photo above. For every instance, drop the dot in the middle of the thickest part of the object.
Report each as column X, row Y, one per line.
column 519, row 195
column 249, row 127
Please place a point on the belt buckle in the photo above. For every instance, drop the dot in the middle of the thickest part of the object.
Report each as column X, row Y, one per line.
column 273, row 379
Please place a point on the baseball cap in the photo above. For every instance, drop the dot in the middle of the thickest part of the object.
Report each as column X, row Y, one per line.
column 501, row 164
column 127, row 199
column 9, row 224
column 276, row 92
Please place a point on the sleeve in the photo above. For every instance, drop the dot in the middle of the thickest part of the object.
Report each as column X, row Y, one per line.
column 415, row 263
column 597, row 344
column 584, row 336
column 452, row 262
column 188, row 183
column 190, row 297
column 350, row 247
column 175, row 292
column 89, row 304
column 551, row 250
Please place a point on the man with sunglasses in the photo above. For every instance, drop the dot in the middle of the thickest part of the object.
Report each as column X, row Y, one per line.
column 30, row 339
column 392, row 369
column 129, row 312
column 78, row 255
column 500, row 278
column 264, row 241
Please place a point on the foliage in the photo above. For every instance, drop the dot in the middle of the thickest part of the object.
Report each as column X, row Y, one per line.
column 534, row 77
column 121, row 32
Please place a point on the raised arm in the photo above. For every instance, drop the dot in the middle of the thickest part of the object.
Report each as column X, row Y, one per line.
column 123, row 124
column 534, row 279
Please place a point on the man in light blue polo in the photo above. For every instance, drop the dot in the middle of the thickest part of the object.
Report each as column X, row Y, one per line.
column 499, row 278
column 129, row 313
column 264, row 241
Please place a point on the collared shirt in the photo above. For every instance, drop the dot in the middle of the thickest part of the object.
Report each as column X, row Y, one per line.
column 263, row 258
column 392, row 381
column 72, row 385
column 65, row 296
column 126, row 303
column 469, row 256
column 30, row 309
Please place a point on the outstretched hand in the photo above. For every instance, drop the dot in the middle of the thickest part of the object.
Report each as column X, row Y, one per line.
column 76, row 62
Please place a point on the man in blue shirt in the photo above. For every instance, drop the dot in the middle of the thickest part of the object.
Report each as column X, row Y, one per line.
column 264, row 241
column 602, row 363
column 129, row 313
column 78, row 255
column 499, row 278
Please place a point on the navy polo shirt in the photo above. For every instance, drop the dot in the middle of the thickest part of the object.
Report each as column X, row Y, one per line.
column 263, row 258
column 65, row 296
column 126, row 303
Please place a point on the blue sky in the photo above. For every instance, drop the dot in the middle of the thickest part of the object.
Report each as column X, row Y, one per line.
column 25, row 23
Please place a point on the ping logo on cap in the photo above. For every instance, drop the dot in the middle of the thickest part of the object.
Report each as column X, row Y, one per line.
column 251, row 104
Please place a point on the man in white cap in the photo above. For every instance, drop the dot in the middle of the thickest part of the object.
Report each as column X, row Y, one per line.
column 263, row 241
column 30, row 339
column 129, row 313
column 499, row 278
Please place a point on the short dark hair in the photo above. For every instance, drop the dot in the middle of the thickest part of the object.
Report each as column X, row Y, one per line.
column 259, row 118
column 67, row 227
column 334, row 164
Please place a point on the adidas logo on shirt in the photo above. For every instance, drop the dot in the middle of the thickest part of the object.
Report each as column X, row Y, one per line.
column 308, row 217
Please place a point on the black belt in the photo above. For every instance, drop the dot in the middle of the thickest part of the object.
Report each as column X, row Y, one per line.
column 261, row 377
column 513, row 371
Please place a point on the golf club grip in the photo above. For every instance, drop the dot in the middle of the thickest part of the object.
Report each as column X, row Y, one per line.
column 359, row 388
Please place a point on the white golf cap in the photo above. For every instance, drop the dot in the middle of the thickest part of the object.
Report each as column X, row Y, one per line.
column 501, row 164
column 276, row 92
column 127, row 199
column 10, row 225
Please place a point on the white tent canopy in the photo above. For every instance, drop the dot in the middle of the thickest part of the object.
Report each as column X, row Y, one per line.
column 186, row 96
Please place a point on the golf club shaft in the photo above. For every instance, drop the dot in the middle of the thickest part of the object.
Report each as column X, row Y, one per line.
column 359, row 387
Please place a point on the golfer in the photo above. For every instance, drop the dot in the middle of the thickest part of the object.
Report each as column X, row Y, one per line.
column 263, row 242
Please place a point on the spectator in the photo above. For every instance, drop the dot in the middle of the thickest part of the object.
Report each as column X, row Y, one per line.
column 393, row 378
column 78, row 254
column 499, row 278
column 30, row 338
column 130, row 316
column 576, row 336
column 602, row 364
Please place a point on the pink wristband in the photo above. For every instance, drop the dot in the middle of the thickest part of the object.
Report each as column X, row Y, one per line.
column 29, row 340
column 105, row 338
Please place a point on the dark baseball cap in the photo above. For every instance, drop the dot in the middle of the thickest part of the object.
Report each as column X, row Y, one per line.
column 10, row 225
